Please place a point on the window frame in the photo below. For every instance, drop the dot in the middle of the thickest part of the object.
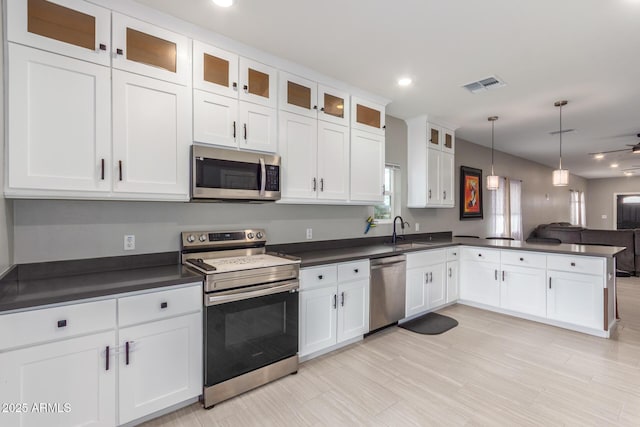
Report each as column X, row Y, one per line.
column 395, row 193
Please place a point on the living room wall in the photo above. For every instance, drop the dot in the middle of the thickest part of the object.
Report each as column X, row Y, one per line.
column 600, row 199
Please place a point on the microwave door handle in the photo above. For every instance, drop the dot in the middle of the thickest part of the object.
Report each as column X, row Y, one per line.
column 263, row 177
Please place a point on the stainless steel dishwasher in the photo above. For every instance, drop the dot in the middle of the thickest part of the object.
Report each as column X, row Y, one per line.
column 386, row 303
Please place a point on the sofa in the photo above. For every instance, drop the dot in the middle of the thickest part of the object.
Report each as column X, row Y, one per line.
column 626, row 261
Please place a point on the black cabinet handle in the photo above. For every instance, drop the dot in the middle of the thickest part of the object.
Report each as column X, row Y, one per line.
column 321, row 184
column 245, row 131
column 315, row 107
column 335, row 301
column 119, row 51
column 62, row 323
column 315, row 184
column 322, row 109
column 102, row 169
column 503, row 275
column 164, row 305
column 384, row 127
column 355, row 270
column 103, row 46
column 235, row 85
column 573, row 264
column 234, row 129
column 480, row 255
column 342, row 299
column 246, row 88
column 106, row 365
column 120, row 170
column 495, row 275
column 455, row 254
column 320, row 277
column 429, row 193
column 549, row 282
column 521, row 259
column 450, row 272
column 126, row 353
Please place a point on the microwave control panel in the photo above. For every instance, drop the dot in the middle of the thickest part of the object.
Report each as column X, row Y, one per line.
column 273, row 178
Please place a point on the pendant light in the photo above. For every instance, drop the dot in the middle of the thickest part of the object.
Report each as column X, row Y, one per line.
column 560, row 176
column 493, row 181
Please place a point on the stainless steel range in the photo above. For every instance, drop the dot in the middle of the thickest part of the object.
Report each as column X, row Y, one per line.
column 251, row 310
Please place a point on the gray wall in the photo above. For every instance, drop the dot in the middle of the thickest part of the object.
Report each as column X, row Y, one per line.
column 6, row 207
column 536, row 183
column 54, row 230
column 600, row 199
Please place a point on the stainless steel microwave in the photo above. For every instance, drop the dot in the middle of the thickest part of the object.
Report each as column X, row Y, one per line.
column 223, row 174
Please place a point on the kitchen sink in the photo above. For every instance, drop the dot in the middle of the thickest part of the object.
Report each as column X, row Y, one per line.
column 409, row 245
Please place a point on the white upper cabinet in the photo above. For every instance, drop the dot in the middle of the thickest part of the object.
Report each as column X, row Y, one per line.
column 367, row 167
column 333, row 105
column 333, row 161
column 431, row 165
column 215, row 119
column 258, row 127
column 72, row 28
column 151, row 137
column 298, row 95
column 152, row 51
column 298, row 148
column 59, row 124
column 367, row 116
column 258, row 83
column 215, row 70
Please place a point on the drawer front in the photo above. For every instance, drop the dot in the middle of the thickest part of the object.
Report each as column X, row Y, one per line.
column 453, row 253
column 353, row 270
column 159, row 305
column 576, row 264
column 51, row 324
column 424, row 258
column 314, row 277
column 524, row 259
column 481, row 254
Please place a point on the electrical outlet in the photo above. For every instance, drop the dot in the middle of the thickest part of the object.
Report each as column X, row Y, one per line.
column 129, row 242
column 309, row 233
column 604, row 216
column 417, row 226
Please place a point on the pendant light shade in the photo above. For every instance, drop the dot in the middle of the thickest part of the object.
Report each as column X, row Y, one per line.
column 561, row 176
column 493, row 181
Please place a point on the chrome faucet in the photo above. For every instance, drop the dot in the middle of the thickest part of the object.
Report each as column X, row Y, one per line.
column 394, row 236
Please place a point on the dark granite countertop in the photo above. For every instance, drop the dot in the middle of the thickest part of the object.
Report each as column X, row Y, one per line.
column 31, row 285
column 317, row 253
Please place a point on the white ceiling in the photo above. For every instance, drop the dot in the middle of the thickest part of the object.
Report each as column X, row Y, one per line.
column 585, row 51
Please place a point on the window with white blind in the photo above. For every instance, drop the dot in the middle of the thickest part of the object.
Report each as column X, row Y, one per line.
column 390, row 207
column 506, row 219
column 578, row 210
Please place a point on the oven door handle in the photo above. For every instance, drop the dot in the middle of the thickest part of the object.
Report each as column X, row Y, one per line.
column 239, row 295
column 263, row 177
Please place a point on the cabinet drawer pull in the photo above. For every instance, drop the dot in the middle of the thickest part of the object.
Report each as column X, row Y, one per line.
column 102, row 169
column 480, row 255
column 335, row 301
column 62, row 323
column 164, row 305
column 355, row 270
column 106, row 354
column 119, row 51
column 120, row 170
column 455, row 254
column 126, row 353
column 320, row 277
column 521, row 259
column 573, row 264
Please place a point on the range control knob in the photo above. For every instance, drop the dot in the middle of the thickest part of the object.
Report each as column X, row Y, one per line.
column 203, row 237
column 250, row 236
column 191, row 238
column 259, row 235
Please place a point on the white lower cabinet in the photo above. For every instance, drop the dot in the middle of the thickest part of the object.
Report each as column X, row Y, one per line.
column 479, row 282
column 64, row 383
column 426, row 285
column 163, row 365
column 575, row 298
column 76, row 373
column 523, row 290
column 453, row 282
column 334, row 305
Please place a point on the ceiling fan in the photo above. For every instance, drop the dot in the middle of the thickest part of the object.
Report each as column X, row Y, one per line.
column 635, row 149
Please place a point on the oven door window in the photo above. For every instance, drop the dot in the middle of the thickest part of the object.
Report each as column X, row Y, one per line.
column 246, row 335
column 227, row 174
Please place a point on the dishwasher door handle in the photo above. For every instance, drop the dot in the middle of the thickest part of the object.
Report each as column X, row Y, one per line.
column 379, row 266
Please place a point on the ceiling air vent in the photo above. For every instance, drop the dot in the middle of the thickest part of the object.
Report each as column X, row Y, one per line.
column 488, row 83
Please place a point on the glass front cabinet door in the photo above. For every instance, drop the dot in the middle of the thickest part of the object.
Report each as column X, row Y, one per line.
column 333, row 105
column 367, row 116
column 148, row 50
column 257, row 83
column 298, row 95
column 73, row 28
column 215, row 70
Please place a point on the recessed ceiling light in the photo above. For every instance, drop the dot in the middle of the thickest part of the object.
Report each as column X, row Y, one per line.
column 224, row 3
column 598, row 156
column 405, row 81
column 614, row 165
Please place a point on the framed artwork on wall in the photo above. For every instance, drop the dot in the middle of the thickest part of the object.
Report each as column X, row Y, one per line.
column 470, row 193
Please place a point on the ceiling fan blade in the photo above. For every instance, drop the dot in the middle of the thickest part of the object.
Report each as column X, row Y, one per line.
column 610, row 151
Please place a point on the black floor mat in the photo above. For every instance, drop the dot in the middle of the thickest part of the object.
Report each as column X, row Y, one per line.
column 430, row 324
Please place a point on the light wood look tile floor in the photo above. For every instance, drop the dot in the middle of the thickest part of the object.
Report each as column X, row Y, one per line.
column 491, row 370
